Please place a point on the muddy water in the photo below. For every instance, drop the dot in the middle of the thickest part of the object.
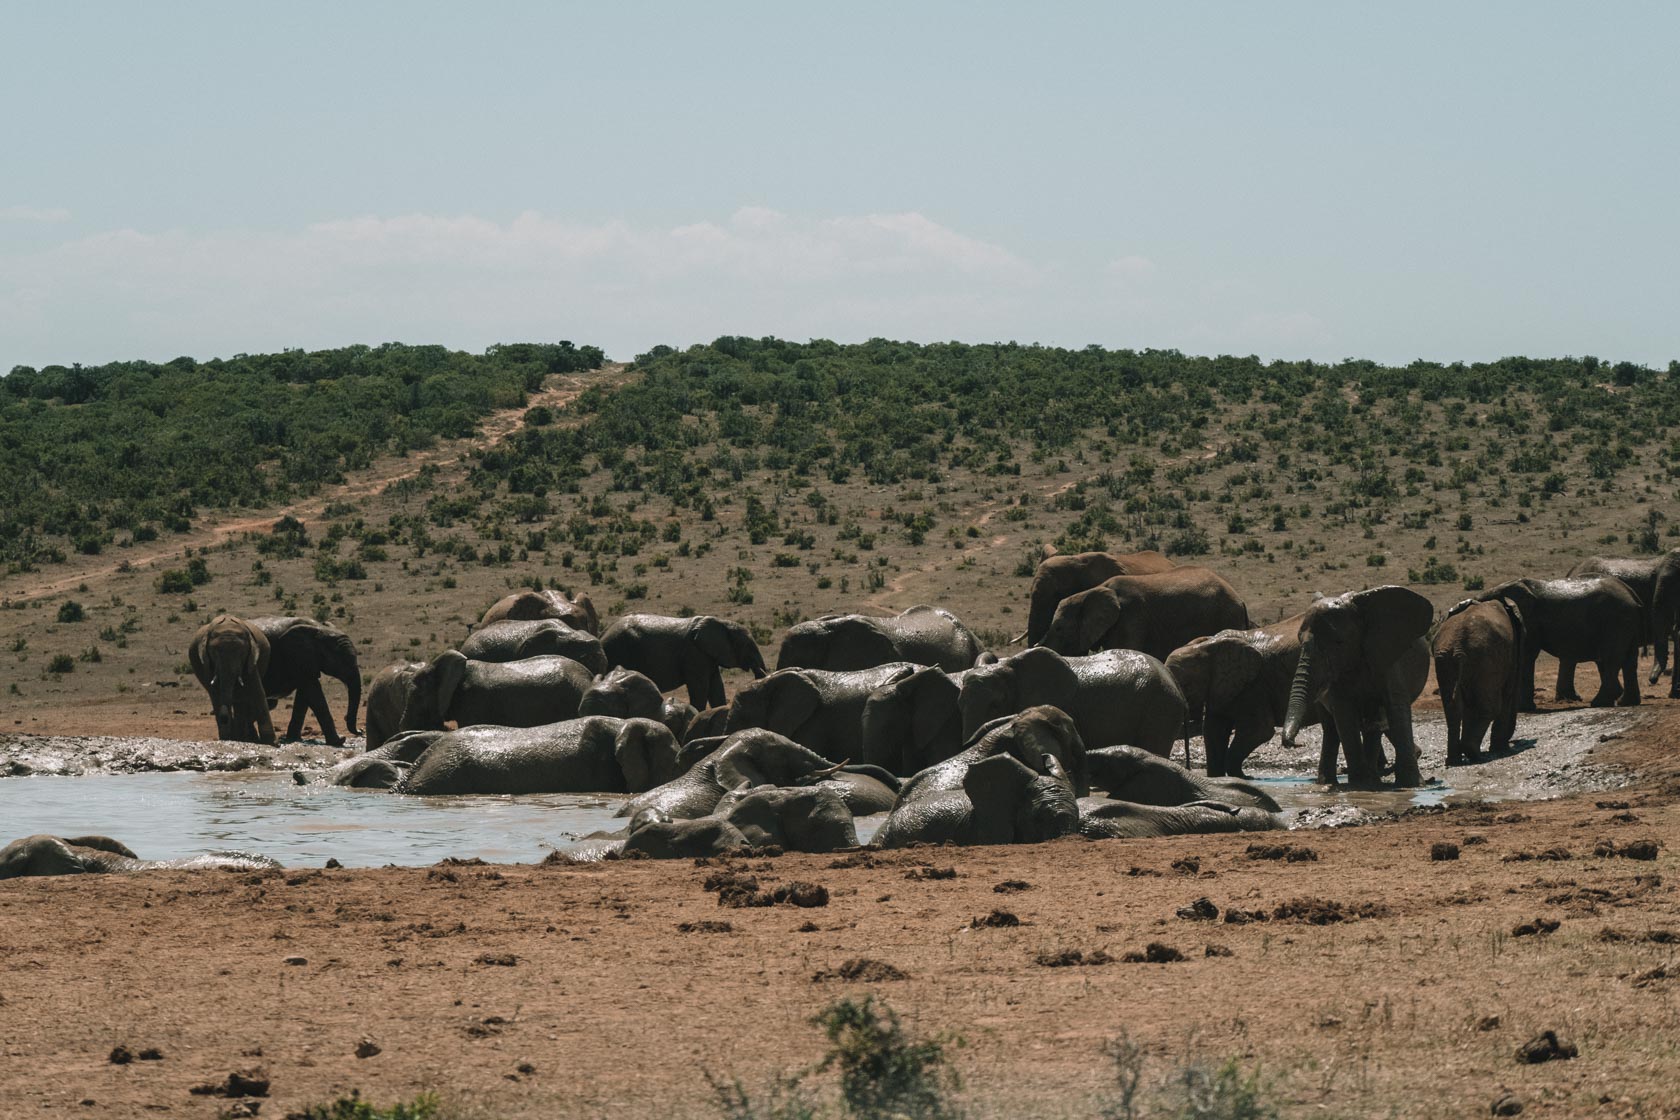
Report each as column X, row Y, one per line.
column 209, row 798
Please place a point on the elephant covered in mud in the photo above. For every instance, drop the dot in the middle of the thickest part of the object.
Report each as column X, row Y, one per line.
column 686, row 653
column 300, row 650
column 814, row 819
column 1131, row 774
column 594, row 754
column 576, row 611
column 1057, row 577
column 921, row 635
column 80, row 855
column 816, row 708
column 1364, row 659
column 1655, row 582
column 1115, row 696
column 517, row 639
column 1478, row 667
column 1153, row 613
column 1010, row 785
column 525, row 693
column 230, row 657
column 387, row 696
column 1236, row 684
column 757, row 757
column 1103, row 818
column 1593, row 618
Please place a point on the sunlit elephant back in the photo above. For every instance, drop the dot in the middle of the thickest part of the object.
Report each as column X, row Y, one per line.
column 300, row 651
column 576, row 611
column 1154, row 614
column 517, row 639
column 686, row 653
column 921, row 635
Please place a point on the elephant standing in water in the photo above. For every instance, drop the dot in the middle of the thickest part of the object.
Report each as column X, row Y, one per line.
column 517, row 639
column 814, row 707
column 229, row 656
column 1478, row 666
column 1361, row 653
column 1058, row 577
column 80, row 855
column 525, row 693
column 577, row 611
column 920, row 635
column 387, row 696
column 1595, row 619
column 1656, row 584
column 1236, row 684
column 684, row 652
column 1153, row 613
column 300, row 650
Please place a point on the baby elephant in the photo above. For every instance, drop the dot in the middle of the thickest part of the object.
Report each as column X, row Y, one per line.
column 1477, row 664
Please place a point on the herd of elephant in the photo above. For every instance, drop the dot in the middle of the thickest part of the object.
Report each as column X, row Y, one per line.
column 910, row 717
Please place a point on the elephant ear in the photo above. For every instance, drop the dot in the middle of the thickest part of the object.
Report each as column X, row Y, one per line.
column 863, row 641
column 451, row 669
column 711, row 637
column 1100, row 611
column 1233, row 666
column 646, row 753
column 1391, row 619
column 995, row 787
column 795, row 702
column 934, row 705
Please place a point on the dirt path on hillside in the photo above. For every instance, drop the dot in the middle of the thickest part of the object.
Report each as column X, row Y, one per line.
column 217, row 526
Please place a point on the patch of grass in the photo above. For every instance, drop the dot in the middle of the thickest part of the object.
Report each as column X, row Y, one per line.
column 1194, row 1091
column 423, row 1107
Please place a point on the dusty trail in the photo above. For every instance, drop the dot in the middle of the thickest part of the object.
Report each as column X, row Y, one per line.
column 216, row 527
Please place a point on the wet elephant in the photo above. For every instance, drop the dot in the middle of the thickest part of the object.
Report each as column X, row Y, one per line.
column 230, row 657
column 1103, row 818
column 300, row 651
column 81, row 855
column 686, row 653
column 594, row 754
column 576, row 611
column 1236, row 685
column 525, row 693
column 816, row 708
column 1131, row 774
column 1115, row 696
column 1057, row 577
column 387, row 696
column 517, row 639
column 1478, row 667
column 921, row 635
column 795, row 820
column 1595, row 618
column 1154, row 613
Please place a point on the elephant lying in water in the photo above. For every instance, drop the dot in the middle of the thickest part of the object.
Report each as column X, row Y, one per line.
column 592, row 754
column 813, row 819
column 1103, row 818
column 78, row 855
column 756, row 757
column 1130, row 774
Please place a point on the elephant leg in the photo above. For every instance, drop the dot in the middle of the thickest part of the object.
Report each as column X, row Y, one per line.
column 1475, row 727
column 1216, row 743
column 1334, row 744
column 1630, row 678
column 714, row 688
column 1452, row 709
column 1525, row 681
column 1504, row 726
column 1609, row 687
column 1399, row 709
column 318, row 704
column 257, row 701
column 1566, row 681
column 294, row 726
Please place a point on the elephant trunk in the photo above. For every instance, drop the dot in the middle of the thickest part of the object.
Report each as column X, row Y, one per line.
column 341, row 663
column 1300, row 696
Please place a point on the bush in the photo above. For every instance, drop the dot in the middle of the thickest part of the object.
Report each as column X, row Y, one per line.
column 70, row 611
column 353, row 1107
column 174, row 581
column 61, row 663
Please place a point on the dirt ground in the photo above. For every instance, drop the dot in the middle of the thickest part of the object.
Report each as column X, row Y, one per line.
column 545, row 991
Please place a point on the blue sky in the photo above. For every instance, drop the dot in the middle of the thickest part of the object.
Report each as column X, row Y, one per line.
column 1293, row 180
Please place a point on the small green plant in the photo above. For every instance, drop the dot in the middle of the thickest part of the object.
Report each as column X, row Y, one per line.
column 71, row 611
column 61, row 663
column 423, row 1107
column 174, row 581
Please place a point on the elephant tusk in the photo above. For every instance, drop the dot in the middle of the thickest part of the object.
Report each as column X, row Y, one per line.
column 819, row 775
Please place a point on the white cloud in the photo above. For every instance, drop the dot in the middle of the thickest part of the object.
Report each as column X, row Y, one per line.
column 1131, row 267
column 33, row 214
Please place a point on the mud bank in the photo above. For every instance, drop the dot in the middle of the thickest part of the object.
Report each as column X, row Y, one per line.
column 74, row 755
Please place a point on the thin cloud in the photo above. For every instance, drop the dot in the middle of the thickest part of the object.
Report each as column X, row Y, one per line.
column 34, row 214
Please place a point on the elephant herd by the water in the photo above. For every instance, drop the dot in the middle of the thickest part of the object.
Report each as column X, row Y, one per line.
column 911, row 717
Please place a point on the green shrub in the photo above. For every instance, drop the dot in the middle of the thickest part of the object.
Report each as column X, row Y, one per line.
column 61, row 663
column 70, row 611
column 423, row 1107
column 174, row 581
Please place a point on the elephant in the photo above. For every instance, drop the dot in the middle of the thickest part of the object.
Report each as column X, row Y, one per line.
column 1361, row 653
column 914, row 721
column 592, row 754
column 380, row 768
column 707, row 722
column 516, row 639
column 1103, row 818
column 300, row 650
column 626, row 693
column 1029, row 737
column 684, row 652
column 79, row 855
column 387, row 696
column 1656, row 584
column 816, row 708
column 1058, row 577
column 1154, row 613
column 1478, row 656
column 1236, row 683
column 524, row 693
column 815, row 819
column 577, row 611
column 921, row 635
column 230, row 657
column 1138, row 776
column 1594, row 618
column 1009, row 786
column 1115, row 697
column 757, row 757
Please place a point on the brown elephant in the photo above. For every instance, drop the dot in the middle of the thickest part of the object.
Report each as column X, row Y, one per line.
column 1655, row 582
column 230, row 657
column 387, row 696
column 1154, row 614
column 576, row 611
column 82, row 855
column 1361, row 652
column 1592, row 618
column 1236, row 685
column 1477, row 665
column 300, row 650
column 1058, row 577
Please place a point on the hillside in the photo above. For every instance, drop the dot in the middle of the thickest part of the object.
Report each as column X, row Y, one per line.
column 774, row 481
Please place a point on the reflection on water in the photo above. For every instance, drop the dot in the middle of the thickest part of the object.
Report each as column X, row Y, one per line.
column 169, row 816
column 1307, row 804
